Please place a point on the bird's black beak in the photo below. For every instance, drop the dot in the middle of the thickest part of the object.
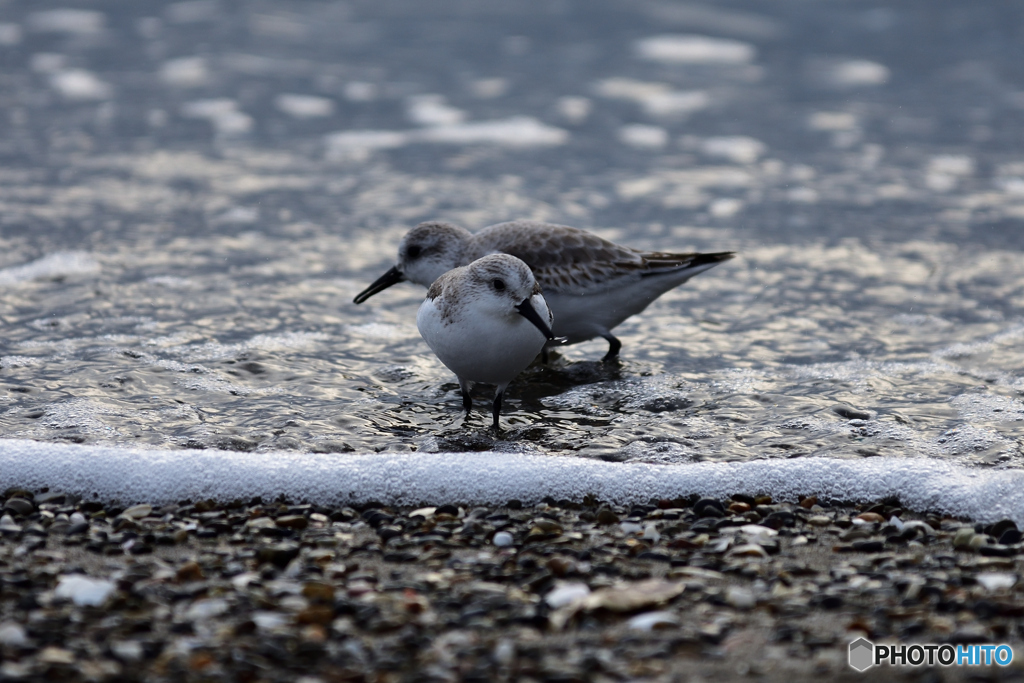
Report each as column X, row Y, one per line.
column 530, row 313
column 392, row 277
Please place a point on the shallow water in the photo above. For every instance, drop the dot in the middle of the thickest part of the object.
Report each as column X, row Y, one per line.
column 180, row 244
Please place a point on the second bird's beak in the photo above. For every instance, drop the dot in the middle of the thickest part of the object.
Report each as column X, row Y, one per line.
column 527, row 310
column 392, row 277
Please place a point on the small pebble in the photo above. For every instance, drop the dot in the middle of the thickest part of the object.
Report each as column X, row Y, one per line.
column 977, row 541
column 206, row 609
column 503, row 539
column 318, row 591
column 19, row 506
column 963, row 537
column 748, row 550
column 137, row 511
column 84, row 590
column 269, row 621
column 504, row 652
column 740, row 597
column 648, row 621
column 547, row 526
column 128, row 651
column 993, row 581
column 566, row 594
column 292, row 522
column 56, row 655
column 12, row 634
column 190, row 571
column 872, row 517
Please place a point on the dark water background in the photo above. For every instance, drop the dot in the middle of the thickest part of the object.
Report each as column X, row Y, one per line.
column 182, row 229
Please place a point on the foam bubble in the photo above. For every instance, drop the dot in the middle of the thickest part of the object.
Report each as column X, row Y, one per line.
column 268, row 343
column 360, row 91
column 19, row 361
column 518, row 131
column 171, row 282
column 83, row 415
column 185, row 72
column 223, row 386
column 54, row 266
column 695, row 49
column 238, row 215
column 725, row 207
column 489, row 88
column 173, row 365
column 951, row 164
column 574, row 109
column 832, row 121
column 69, row 21
column 968, row 439
column 657, row 99
column 968, row 349
column 739, row 149
column 304, row 106
column 432, row 110
column 850, row 73
column 644, row 137
column 381, row 331
column 79, row 84
column 978, row 406
column 223, row 113
column 358, row 143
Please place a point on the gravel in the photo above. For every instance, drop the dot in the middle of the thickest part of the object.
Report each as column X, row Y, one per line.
column 673, row 590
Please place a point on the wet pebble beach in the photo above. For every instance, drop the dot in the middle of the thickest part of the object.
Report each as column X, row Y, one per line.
column 193, row 194
column 675, row 590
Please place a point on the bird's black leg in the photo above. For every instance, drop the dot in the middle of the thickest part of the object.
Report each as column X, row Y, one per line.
column 497, row 408
column 613, row 347
column 467, row 400
column 544, row 355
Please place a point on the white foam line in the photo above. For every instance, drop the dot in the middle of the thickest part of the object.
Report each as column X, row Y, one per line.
column 132, row 475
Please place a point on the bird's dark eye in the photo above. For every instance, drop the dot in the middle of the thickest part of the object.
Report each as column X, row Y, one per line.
column 498, row 284
column 413, row 251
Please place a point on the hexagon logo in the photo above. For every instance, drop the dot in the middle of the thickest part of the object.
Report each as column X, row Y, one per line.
column 862, row 654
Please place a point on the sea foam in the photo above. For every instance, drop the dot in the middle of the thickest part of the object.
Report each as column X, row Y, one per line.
column 157, row 477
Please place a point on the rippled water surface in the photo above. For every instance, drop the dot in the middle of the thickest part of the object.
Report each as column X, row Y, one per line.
column 192, row 193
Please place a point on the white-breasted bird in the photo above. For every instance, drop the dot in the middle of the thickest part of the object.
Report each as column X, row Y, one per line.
column 486, row 322
column 590, row 284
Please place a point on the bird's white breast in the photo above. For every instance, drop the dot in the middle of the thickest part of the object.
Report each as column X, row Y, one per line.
column 478, row 345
